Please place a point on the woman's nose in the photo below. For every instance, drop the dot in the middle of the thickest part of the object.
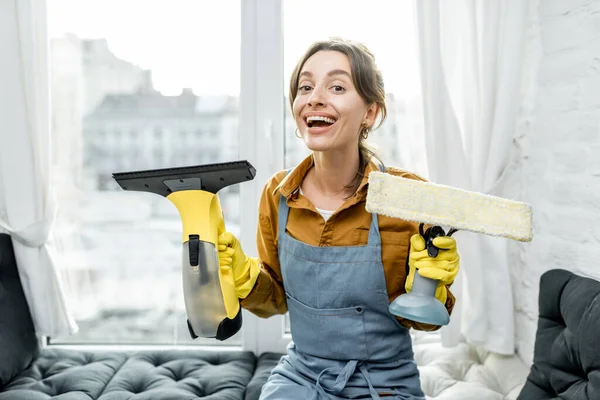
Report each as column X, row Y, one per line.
column 317, row 98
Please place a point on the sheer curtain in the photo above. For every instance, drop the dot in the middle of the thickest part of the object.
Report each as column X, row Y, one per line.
column 472, row 68
column 27, row 207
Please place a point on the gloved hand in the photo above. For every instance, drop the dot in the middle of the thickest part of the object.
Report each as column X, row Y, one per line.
column 442, row 268
column 245, row 269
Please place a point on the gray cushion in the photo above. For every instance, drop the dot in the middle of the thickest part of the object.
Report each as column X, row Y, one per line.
column 145, row 375
column 566, row 362
column 18, row 342
column 55, row 372
column 266, row 362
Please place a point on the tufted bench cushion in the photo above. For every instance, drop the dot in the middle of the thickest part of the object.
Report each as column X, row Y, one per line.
column 566, row 360
column 145, row 375
column 465, row 372
column 266, row 362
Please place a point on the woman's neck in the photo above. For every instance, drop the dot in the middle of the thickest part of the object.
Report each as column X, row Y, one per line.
column 334, row 171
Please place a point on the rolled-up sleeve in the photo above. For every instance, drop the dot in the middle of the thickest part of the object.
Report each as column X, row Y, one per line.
column 267, row 298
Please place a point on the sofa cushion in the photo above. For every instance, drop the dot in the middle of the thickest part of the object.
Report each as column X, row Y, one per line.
column 60, row 372
column 566, row 360
column 463, row 372
column 466, row 372
column 144, row 375
column 18, row 342
column 266, row 362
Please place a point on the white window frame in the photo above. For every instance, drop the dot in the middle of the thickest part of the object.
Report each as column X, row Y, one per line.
column 261, row 142
column 262, row 112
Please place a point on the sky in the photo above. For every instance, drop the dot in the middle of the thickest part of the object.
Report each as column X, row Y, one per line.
column 196, row 43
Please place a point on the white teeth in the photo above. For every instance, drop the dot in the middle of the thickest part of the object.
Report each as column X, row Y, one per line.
column 320, row 118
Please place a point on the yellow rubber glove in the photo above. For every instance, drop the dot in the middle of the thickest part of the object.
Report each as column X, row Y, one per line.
column 442, row 268
column 245, row 269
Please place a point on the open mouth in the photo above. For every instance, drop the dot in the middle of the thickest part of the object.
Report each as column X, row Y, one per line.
column 319, row 121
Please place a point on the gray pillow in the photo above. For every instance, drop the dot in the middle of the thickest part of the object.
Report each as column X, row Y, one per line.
column 566, row 363
column 18, row 342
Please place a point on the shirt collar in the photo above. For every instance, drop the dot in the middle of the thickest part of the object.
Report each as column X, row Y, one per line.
column 291, row 182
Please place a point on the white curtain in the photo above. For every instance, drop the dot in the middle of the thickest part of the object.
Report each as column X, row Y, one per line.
column 27, row 207
column 472, row 66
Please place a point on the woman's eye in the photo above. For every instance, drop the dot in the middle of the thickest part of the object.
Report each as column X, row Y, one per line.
column 338, row 88
column 304, row 88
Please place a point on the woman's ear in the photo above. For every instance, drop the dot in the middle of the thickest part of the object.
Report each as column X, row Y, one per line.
column 371, row 115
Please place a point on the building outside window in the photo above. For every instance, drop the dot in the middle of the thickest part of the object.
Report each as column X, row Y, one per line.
column 138, row 94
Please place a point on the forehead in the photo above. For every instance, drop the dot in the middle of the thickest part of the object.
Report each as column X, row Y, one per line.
column 323, row 62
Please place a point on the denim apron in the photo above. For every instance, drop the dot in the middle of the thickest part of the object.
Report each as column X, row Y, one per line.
column 345, row 343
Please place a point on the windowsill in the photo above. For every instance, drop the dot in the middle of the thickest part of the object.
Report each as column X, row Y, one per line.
column 141, row 347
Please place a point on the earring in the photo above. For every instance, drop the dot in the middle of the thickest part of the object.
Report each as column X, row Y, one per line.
column 365, row 132
column 296, row 133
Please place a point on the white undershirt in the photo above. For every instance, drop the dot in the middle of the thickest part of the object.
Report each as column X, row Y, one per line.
column 325, row 213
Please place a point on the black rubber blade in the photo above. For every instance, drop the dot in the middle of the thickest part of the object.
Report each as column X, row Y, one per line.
column 208, row 177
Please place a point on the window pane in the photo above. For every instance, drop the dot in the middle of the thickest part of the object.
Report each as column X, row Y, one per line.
column 387, row 28
column 136, row 85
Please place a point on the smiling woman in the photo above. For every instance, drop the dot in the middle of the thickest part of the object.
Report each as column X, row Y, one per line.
column 343, row 89
column 313, row 260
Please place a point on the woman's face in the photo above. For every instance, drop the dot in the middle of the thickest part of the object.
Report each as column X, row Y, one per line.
column 328, row 110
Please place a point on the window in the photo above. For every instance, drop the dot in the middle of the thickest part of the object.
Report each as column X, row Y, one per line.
column 112, row 71
column 387, row 29
column 138, row 69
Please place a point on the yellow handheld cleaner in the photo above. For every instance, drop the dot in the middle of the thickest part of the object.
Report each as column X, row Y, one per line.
column 435, row 204
column 212, row 306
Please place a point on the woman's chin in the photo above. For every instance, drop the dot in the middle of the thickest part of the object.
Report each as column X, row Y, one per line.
column 317, row 143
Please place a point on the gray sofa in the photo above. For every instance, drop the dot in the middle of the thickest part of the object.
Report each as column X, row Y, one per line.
column 566, row 363
column 28, row 372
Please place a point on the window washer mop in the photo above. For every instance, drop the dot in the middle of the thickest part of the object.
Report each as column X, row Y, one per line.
column 211, row 295
column 431, row 203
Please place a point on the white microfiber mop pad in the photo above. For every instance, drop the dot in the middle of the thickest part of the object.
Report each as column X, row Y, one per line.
column 436, row 204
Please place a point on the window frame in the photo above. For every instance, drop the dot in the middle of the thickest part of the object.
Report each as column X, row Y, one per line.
column 262, row 118
column 261, row 142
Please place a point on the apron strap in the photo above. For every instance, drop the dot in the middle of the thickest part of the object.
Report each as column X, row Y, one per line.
column 374, row 236
column 343, row 376
column 282, row 216
column 282, row 213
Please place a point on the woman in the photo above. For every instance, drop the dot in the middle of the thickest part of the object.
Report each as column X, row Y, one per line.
column 324, row 258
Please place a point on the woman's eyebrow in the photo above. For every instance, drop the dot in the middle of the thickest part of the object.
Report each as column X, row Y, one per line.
column 331, row 73
column 338, row 72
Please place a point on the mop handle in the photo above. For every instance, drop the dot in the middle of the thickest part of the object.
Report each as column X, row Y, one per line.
column 430, row 234
column 422, row 285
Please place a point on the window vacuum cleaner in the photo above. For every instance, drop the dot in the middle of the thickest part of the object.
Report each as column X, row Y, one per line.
column 212, row 306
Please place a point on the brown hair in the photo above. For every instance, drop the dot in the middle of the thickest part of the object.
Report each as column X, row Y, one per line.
column 367, row 79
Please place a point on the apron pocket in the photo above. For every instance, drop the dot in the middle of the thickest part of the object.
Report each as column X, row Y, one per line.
column 334, row 333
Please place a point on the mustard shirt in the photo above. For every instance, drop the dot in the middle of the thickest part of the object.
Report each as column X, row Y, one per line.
column 348, row 226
